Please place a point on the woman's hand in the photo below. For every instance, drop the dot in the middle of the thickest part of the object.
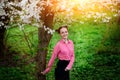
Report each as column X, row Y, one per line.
column 67, row 69
column 46, row 70
column 43, row 73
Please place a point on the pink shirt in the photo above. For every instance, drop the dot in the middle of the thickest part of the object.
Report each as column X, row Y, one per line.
column 63, row 51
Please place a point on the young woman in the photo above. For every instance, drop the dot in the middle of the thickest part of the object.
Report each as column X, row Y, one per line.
column 64, row 51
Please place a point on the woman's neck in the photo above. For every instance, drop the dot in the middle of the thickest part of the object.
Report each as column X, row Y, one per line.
column 65, row 40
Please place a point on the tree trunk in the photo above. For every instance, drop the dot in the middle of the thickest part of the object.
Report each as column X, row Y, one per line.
column 5, row 20
column 2, row 41
column 44, row 39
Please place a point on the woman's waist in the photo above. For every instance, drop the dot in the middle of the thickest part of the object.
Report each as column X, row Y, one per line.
column 62, row 63
column 67, row 58
column 63, row 60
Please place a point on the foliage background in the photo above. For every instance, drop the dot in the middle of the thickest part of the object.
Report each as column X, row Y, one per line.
column 97, row 48
column 96, row 54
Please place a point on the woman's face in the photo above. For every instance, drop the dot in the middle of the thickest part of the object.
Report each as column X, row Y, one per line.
column 64, row 33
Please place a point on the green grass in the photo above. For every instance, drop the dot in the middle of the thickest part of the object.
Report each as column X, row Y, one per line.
column 19, row 42
column 93, row 54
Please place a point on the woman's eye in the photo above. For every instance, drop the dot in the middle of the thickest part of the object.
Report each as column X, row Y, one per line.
column 65, row 31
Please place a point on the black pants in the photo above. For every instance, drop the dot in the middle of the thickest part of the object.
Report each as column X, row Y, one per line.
column 60, row 73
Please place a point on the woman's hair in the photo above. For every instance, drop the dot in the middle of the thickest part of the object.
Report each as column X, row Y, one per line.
column 58, row 30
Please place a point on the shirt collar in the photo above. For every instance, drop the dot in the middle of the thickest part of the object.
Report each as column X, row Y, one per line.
column 62, row 40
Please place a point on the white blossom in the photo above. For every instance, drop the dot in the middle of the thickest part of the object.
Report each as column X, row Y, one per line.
column 105, row 20
column 1, row 23
column 108, row 18
column 95, row 20
column 81, row 22
column 21, row 26
column 45, row 28
column 88, row 16
column 7, row 26
column 115, row 15
column 49, row 31
column 30, row 13
column 3, row 17
column 36, row 24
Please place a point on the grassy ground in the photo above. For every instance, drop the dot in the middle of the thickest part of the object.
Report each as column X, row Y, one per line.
column 91, row 60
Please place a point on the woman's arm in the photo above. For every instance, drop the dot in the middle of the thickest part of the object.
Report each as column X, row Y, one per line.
column 69, row 66
column 51, row 61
